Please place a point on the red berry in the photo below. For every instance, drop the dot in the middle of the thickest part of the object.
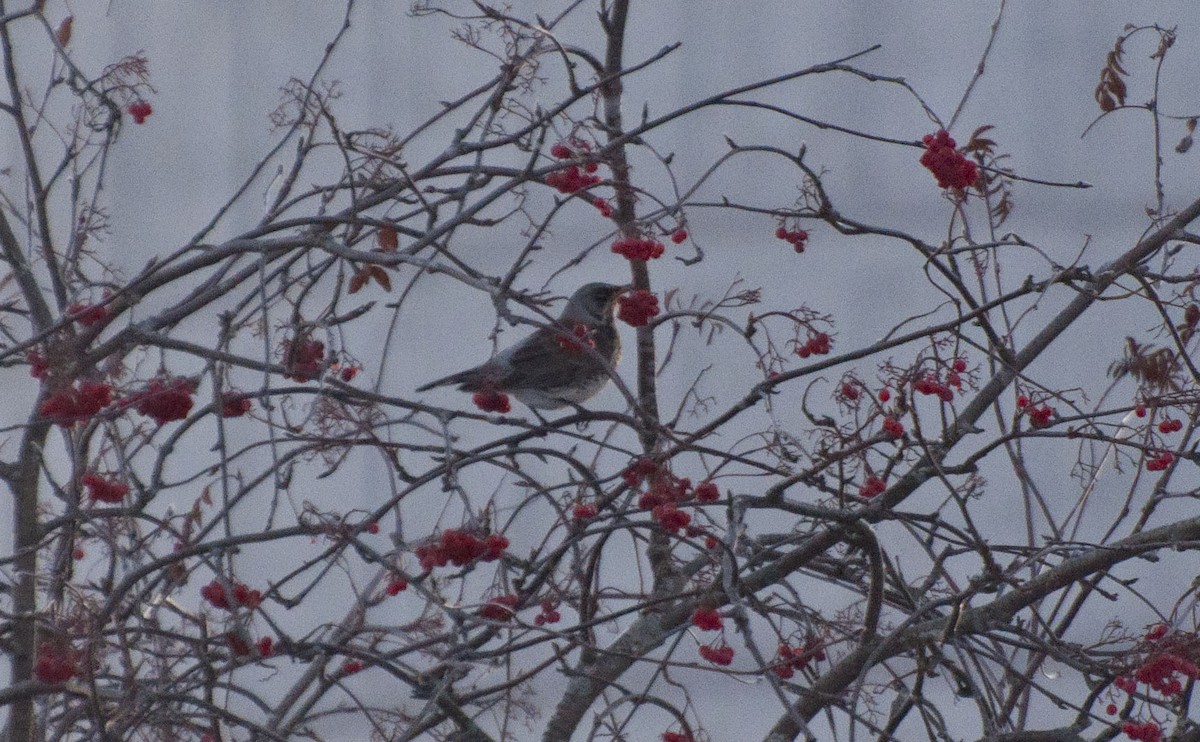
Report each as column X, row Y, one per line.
column 500, row 608
column 87, row 314
column 873, row 486
column 893, row 427
column 105, row 489
column 584, row 511
column 679, row 236
column 722, row 655
column 707, row 492
column 960, row 365
column 884, row 394
column 492, row 401
column 707, row 619
column 234, row 404
column 140, row 111
column 1140, row 410
column 493, row 547
column 560, row 151
column 350, row 667
column 397, row 586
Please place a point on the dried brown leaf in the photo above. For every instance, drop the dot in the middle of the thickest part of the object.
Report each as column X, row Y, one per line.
column 388, row 239
column 64, row 30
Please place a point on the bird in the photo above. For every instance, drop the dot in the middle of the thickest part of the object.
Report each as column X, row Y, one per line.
column 559, row 366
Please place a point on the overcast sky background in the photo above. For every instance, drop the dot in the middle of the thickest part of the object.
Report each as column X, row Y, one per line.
column 218, row 67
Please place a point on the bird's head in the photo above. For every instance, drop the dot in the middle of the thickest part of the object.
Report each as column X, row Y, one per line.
column 592, row 303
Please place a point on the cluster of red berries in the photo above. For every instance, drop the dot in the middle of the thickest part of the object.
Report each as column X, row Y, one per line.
column 584, row 511
column 304, row 359
column 930, row 385
column 215, row 593
column 572, row 178
column 1164, row 670
column 791, row 660
column 818, row 344
column 548, row 615
column 1159, row 672
column 164, row 399
column 951, row 167
column 1039, row 417
column 1160, row 462
column 460, row 548
column 105, row 489
column 1170, row 426
column 795, row 237
column 707, row 492
column 500, row 608
column 88, row 314
column 893, row 427
column 874, row 485
column 1145, row 732
column 670, row 517
column 639, row 248
column 140, row 111
column 75, row 403
column 491, row 400
column 638, row 471
column 665, row 488
column 234, row 404
column 580, row 338
column 39, row 366
column 720, row 655
column 707, row 619
column 637, row 307
column 55, row 664
column 264, row 647
column 679, row 235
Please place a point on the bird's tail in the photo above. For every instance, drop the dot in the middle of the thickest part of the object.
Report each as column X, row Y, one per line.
column 461, row 377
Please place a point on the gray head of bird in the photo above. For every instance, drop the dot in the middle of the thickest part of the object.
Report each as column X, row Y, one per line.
column 592, row 303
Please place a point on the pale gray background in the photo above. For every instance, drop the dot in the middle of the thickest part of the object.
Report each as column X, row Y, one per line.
column 218, row 67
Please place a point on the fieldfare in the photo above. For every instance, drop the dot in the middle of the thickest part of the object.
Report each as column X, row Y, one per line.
column 566, row 364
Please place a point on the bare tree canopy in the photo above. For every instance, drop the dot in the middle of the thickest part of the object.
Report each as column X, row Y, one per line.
column 254, row 495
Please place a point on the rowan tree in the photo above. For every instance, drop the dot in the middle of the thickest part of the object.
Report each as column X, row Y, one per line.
column 872, row 523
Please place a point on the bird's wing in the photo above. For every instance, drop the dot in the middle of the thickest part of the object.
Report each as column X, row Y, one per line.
column 540, row 363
